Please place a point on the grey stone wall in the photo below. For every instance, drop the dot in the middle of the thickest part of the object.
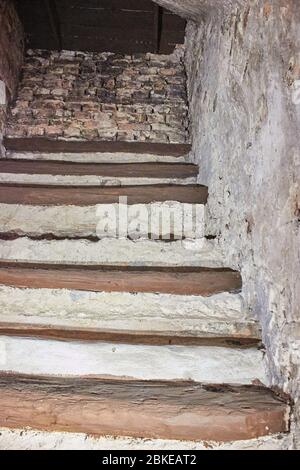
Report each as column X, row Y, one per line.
column 244, row 80
column 102, row 96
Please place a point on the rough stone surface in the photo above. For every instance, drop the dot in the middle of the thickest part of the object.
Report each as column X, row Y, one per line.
column 36, row 440
column 102, row 96
column 138, row 220
column 220, row 315
column 11, row 54
column 120, row 252
column 243, row 74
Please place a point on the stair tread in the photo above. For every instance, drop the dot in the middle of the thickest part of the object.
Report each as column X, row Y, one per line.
column 84, row 196
column 145, row 409
column 137, row 170
column 161, row 279
column 121, row 252
column 133, row 317
column 77, row 358
column 42, row 144
column 60, row 222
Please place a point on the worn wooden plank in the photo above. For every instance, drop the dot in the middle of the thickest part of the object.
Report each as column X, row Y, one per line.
column 123, row 170
column 43, row 195
column 180, row 281
column 154, row 337
column 167, row 410
column 41, row 144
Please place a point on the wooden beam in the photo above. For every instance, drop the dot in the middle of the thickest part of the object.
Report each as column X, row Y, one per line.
column 165, row 280
column 155, row 409
column 50, row 6
column 158, row 12
column 44, row 195
column 117, row 170
column 153, row 337
column 41, row 144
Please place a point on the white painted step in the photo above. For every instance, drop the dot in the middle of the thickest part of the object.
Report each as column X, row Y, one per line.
column 25, row 439
column 99, row 220
column 220, row 315
column 205, row 364
column 122, row 252
column 100, row 157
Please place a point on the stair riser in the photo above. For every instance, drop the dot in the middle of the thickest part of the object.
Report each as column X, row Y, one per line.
column 103, row 157
column 197, row 363
column 113, row 252
column 104, row 221
column 90, row 180
column 177, row 318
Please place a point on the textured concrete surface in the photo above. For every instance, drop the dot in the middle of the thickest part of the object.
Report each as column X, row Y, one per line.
column 205, row 364
column 195, row 316
column 77, row 221
column 243, row 74
column 24, row 439
column 122, row 252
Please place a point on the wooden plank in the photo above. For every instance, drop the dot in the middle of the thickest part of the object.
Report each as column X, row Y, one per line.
column 180, row 281
column 41, row 144
column 43, row 195
column 153, row 337
column 155, row 409
column 122, row 170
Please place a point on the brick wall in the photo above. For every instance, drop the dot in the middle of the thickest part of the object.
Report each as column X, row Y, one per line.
column 11, row 53
column 102, row 96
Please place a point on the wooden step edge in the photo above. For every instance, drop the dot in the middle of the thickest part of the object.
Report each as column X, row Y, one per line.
column 180, row 281
column 42, row 144
column 118, row 170
column 53, row 195
column 155, row 337
column 146, row 409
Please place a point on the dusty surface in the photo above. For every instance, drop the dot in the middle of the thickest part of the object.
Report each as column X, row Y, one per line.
column 197, row 363
column 193, row 316
column 105, row 220
column 23, row 439
column 243, row 77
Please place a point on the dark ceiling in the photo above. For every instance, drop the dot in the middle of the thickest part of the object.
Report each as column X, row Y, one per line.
column 123, row 26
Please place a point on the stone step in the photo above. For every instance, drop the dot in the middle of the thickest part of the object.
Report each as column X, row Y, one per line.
column 119, row 252
column 117, row 278
column 155, row 409
column 87, row 358
column 146, row 318
column 43, row 195
column 96, row 157
column 166, row 220
column 101, row 174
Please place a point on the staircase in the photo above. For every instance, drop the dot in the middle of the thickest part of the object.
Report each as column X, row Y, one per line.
column 106, row 335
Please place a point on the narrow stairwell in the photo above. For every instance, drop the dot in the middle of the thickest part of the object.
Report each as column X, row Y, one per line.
column 113, row 321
